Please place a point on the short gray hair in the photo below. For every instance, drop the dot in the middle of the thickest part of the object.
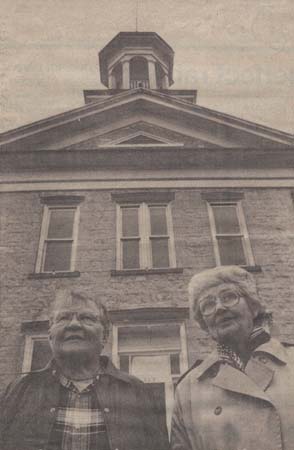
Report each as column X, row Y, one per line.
column 243, row 280
column 66, row 296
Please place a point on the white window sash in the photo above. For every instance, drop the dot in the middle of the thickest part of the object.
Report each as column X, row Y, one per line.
column 133, row 351
column 44, row 236
column 119, row 234
column 145, row 237
column 145, row 229
column 242, row 227
column 181, row 349
column 28, row 350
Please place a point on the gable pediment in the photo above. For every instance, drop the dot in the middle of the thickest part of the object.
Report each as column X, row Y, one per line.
column 141, row 138
column 140, row 134
column 100, row 123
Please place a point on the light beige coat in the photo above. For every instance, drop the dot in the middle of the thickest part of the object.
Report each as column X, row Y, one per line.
column 231, row 410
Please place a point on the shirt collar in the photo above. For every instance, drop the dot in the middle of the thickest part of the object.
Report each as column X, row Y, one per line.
column 107, row 368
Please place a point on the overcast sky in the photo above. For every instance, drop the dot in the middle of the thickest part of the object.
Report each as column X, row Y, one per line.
column 238, row 54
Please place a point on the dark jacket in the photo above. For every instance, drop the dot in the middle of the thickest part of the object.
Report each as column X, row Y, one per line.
column 29, row 408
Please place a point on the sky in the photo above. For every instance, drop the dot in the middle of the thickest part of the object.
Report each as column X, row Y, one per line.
column 238, row 54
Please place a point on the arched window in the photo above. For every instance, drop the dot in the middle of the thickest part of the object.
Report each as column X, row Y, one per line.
column 139, row 73
column 117, row 75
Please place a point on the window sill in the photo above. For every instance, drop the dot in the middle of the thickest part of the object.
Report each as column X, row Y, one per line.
column 254, row 269
column 127, row 272
column 46, row 275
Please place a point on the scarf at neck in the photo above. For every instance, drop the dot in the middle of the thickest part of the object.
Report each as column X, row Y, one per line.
column 229, row 356
column 259, row 335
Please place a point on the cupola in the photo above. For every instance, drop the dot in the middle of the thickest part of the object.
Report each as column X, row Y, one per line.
column 136, row 59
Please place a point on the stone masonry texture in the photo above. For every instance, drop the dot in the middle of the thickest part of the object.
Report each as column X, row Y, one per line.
column 270, row 221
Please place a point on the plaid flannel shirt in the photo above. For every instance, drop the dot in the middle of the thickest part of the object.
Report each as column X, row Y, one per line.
column 79, row 422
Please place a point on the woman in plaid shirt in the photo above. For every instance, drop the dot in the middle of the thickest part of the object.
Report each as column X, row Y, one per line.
column 80, row 401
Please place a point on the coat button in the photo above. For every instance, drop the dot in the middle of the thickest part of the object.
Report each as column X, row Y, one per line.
column 218, row 410
column 52, row 410
column 263, row 359
column 106, row 410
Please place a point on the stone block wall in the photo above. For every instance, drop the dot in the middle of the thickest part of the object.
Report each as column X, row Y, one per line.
column 270, row 221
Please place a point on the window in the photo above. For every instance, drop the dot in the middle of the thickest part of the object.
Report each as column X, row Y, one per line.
column 58, row 239
column 229, row 233
column 139, row 76
column 154, row 352
column 37, row 352
column 144, row 236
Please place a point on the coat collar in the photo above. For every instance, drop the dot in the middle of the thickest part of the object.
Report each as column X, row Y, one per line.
column 257, row 377
column 234, row 380
column 110, row 369
column 272, row 347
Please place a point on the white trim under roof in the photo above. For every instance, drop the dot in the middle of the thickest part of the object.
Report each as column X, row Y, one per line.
column 161, row 141
column 82, row 185
column 168, row 101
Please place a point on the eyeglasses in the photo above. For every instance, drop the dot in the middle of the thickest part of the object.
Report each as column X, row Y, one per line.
column 227, row 299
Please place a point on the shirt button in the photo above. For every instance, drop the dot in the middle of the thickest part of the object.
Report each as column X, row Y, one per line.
column 106, row 410
column 218, row 410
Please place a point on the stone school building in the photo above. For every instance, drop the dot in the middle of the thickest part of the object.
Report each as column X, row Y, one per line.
column 126, row 198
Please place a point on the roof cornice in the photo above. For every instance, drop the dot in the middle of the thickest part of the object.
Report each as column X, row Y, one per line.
column 154, row 97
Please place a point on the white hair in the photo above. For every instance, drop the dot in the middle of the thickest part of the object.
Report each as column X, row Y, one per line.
column 243, row 280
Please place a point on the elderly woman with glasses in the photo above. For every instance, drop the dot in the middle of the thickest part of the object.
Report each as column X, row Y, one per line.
column 242, row 396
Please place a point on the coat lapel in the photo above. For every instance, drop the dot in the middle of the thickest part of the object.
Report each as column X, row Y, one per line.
column 260, row 374
column 236, row 381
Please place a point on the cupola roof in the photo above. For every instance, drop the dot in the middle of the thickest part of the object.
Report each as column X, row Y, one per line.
column 135, row 40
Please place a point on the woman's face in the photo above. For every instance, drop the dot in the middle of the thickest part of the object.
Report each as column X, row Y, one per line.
column 227, row 324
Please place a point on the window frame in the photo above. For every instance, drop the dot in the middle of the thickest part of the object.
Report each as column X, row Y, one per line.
column 244, row 235
column 41, row 256
column 30, row 340
column 183, row 353
column 144, row 236
column 182, row 350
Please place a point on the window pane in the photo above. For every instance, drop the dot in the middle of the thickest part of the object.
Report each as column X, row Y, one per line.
column 158, row 220
column 57, row 256
column 130, row 226
column 41, row 354
column 131, row 254
column 175, row 364
column 151, row 368
column 231, row 251
column 160, row 256
column 146, row 337
column 61, row 223
column 138, row 69
column 226, row 220
column 124, row 363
